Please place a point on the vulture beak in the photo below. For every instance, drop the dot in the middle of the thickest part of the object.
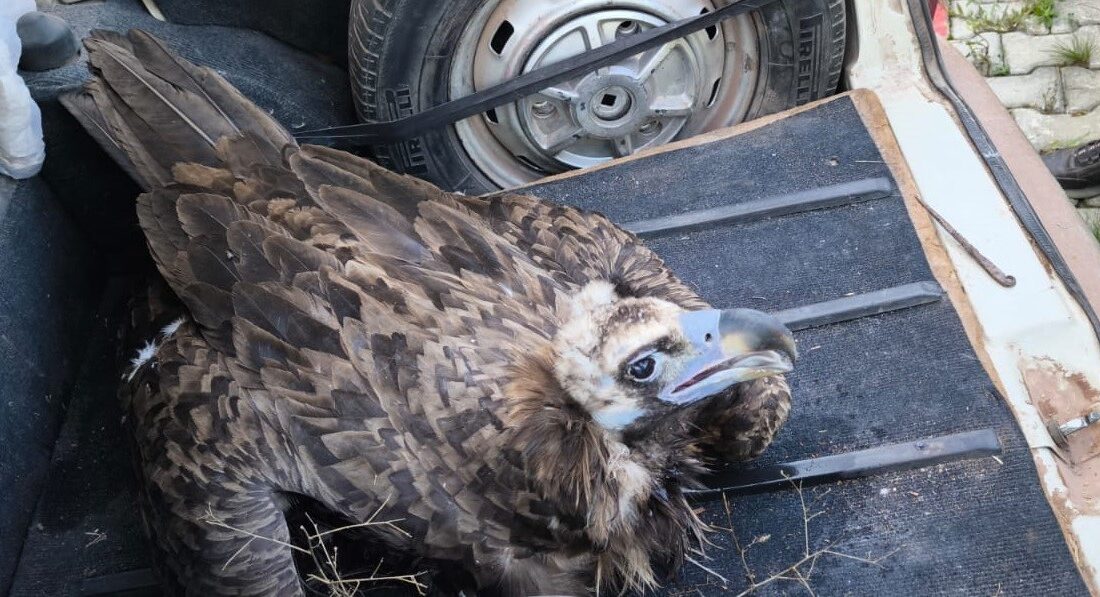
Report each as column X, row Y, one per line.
column 733, row 346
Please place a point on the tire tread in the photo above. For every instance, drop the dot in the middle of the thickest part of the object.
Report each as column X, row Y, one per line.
column 838, row 16
column 385, row 83
column 367, row 32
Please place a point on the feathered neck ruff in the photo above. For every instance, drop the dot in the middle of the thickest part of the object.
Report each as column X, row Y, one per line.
column 619, row 497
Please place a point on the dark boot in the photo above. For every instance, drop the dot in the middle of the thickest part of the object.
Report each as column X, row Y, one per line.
column 1077, row 169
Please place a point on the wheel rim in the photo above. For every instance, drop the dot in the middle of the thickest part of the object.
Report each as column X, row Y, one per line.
column 698, row 83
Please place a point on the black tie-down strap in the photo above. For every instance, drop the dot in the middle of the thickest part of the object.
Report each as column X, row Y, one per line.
column 415, row 125
column 852, row 465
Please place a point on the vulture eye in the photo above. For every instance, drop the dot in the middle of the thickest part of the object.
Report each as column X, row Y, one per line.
column 646, row 367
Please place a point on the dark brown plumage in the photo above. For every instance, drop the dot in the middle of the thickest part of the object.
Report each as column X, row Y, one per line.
column 524, row 385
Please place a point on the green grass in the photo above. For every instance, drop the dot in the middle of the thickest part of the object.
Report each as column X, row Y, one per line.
column 1043, row 11
column 997, row 20
column 978, row 53
column 1077, row 52
column 1093, row 223
column 1001, row 19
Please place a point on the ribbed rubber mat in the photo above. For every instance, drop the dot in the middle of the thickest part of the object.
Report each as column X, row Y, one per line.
column 976, row 527
column 979, row 527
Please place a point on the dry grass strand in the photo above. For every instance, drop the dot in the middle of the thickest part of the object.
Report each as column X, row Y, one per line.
column 326, row 558
column 795, row 571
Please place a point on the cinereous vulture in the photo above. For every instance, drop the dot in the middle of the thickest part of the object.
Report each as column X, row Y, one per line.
column 524, row 386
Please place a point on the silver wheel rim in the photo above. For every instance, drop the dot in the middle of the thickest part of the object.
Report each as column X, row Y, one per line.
column 696, row 84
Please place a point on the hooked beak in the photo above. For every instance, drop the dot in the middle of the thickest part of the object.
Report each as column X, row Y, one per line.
column 734, row 345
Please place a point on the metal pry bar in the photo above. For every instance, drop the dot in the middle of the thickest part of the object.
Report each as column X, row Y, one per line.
column 415, row 125
column 852, row 465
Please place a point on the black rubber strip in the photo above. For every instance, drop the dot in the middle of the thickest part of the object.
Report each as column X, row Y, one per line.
column 1002, row 175
column 860, row 305
column 845, row 193
column 408, row 127
column 852, row 465
column 131, row 582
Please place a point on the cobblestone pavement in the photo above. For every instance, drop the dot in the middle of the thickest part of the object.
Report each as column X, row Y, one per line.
column 1042, row 59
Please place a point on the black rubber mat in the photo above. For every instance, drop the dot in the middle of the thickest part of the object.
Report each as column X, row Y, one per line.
column 87, row 524
column 301, row 90
column 48, row 293
column 316, row 27
column 980, row 527
column 298, row 88
column 61, row 235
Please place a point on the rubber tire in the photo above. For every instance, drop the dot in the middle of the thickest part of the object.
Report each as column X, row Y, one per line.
column 399, row 59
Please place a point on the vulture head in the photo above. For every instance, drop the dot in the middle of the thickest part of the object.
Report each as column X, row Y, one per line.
column 627, row 360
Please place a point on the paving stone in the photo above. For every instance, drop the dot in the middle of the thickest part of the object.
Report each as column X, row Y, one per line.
column 1046, row 130
column 960, row 29
column 1091, row 215
column 1063, row 23
column 1079, row 12
column 1082, row 89
column 983, row 51
column 1039, row 90
column 1033, row 26
column 1024, row 53
column 1092, row 32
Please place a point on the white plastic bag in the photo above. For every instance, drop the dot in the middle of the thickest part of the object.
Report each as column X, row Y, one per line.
column 21, row 148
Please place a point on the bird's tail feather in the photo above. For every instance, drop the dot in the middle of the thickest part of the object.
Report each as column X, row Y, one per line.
column 151, row 110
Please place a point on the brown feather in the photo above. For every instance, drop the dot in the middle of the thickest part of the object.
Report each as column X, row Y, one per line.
column 380, row 228
column 81, row 102
column 244, row 120
column 380, row 346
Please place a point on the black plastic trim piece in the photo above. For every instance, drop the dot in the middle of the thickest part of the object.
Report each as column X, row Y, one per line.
column 860, row 305
column 141, row 581
column 1002, row 175
column 391, row 131
column 845, row 193
column 852, row 465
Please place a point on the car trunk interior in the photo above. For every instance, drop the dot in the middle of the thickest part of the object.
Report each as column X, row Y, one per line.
column 71, row 257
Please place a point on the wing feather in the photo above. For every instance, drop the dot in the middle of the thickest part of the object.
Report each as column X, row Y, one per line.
column 373, row 319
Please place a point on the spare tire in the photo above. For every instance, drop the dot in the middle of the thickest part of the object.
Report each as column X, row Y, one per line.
column 408, row 55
